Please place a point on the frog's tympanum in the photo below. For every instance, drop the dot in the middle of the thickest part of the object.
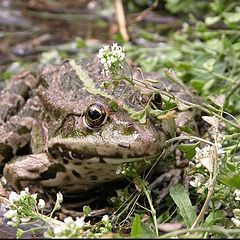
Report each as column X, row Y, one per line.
column 67, row 129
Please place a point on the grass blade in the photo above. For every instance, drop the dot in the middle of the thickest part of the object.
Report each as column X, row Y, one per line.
column 182, row 200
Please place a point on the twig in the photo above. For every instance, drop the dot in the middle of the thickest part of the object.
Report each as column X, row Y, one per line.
column 146, row 11
column 121, row 19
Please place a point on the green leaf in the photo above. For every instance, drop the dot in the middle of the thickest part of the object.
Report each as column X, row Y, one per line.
column 231, row 179
column 197, row 84
column 141, row 116
column 186, row 129
column 136, row 229
column 148, row 232
column 230, row 166
column 182, row 200
column 188, row 149
column 208, row 84
column 215, row 217
column 209, row 64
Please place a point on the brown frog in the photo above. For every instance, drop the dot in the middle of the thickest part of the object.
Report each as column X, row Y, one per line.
column 67, row 130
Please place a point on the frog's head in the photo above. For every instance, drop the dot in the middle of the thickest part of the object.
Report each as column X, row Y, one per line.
column 106, row 135
column 86, row 119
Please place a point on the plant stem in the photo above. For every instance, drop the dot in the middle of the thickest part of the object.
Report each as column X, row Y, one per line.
column 153, row 211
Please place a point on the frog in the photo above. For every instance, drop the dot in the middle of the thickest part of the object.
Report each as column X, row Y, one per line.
column 70, row 127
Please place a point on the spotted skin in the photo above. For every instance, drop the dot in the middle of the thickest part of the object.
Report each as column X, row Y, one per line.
column 65, row 152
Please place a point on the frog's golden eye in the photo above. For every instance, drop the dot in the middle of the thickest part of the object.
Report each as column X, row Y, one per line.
column 157, row 100
column 95, row 115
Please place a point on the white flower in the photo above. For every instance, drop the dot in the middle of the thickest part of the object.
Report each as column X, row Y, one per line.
column 105, row 219
column 203, row 157
column 58, row 230
column 236, row 213
column 25, row 219
column 24, row 192
column 220, row 150
column 68, row 220
column 13, row 224
column 236, row 221
column 79, row 222
column 59, row 197
column 14, row 197
column 198, row 181
column 10, row 214
column 217, row 204
column 237, row 193
column 34, row 196
column 41, row 204
column 111, row 57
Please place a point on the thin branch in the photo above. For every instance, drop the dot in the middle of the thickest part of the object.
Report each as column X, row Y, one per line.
column 121, row 19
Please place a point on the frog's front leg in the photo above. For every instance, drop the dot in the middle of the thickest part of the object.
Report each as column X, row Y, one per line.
column 28, row 170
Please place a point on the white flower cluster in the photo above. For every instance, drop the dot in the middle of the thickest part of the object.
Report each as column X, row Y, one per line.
column 203, row 156
column 22, row 207
column 78, row 228
column 70, row 228
column 198, row 180
column 237, row 193
column 111, row 58
column 236, row 213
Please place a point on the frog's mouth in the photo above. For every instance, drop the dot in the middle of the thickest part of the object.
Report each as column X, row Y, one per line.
column 69, row 152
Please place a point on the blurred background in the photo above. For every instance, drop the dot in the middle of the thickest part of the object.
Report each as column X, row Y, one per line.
column 197, row 38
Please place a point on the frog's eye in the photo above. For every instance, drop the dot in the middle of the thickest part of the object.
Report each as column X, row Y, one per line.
column 157, row 100
column 95, row 115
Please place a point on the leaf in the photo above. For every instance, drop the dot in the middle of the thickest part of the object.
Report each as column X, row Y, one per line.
column 186, row 129
column 136, row 229
column 208, row 84
column 208, row 65
column 141, row 116
column 231, row 179
column 212, row 20
column 218, row 100
column 181, row 106
column 182, row 200
column 213, row 121
column 188, row 149
column 215, row 217
column 197, row 84
column 147, row 232
column 232, row 17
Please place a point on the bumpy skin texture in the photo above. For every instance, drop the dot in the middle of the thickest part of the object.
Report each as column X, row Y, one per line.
column 66, row 153
column 17, row 113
